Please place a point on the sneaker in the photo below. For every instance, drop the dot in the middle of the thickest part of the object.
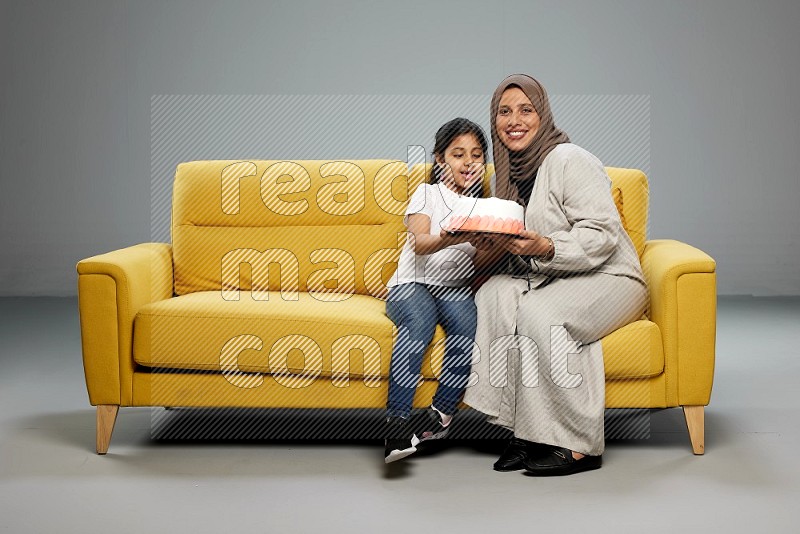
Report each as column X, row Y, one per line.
column 428, row 425
column 400, row 439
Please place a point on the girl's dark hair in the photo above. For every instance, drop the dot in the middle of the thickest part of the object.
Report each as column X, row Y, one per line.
column 444, row 136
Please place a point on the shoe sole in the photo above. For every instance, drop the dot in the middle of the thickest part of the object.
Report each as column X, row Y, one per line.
column 508, row 470
column 559, row 471
column 398, row 454
column 439, row 435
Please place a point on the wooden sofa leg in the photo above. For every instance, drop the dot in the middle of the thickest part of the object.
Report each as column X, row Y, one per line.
column 695, row 421
column 106, row 417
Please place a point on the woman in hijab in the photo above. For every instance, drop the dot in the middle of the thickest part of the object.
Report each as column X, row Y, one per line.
column 574, row 278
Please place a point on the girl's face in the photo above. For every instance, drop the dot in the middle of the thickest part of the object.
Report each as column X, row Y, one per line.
column 461, row 162
column 517, row 121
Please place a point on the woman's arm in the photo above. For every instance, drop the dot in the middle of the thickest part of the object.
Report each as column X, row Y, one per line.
column 587, row 203
column 584, row 195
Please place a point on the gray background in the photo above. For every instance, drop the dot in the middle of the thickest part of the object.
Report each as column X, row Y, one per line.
column 717, row 77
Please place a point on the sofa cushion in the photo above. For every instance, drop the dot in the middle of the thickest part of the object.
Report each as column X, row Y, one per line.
column 633, row 351
column 342, row 211
column 338, row 259
column 202, row 331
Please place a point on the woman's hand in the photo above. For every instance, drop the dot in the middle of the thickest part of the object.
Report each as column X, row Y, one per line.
column 529, row 243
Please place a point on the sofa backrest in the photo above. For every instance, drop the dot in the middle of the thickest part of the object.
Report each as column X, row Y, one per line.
column 332, row 228
column 631, row 194
column 328, row 227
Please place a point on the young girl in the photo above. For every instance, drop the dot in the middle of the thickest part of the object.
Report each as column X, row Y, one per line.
column 431, row 286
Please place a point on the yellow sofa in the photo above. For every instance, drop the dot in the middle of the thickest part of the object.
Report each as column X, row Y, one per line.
column 270, row 295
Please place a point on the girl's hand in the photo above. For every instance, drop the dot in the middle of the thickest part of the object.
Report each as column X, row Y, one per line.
column 454, row 238
column 479, row 240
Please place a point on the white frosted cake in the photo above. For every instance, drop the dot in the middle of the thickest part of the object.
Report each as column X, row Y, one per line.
column 486, row 215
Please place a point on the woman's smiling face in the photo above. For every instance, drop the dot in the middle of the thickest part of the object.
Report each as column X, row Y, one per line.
column 517, row 121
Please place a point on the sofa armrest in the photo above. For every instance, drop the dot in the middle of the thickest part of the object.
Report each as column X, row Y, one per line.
column 111, row 289
column 683, row 303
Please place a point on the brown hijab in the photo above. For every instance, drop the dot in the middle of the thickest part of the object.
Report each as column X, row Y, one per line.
column 516, row 171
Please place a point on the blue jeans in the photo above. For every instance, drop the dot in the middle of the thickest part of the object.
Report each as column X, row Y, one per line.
column 415, row 309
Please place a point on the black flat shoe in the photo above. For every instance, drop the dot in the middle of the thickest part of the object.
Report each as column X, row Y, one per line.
column 516, row 452
column 558, row 462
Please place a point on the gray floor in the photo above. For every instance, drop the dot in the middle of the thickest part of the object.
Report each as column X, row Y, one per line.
column 50, row 479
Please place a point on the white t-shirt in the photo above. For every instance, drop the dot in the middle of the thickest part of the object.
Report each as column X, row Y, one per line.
column 451, row 266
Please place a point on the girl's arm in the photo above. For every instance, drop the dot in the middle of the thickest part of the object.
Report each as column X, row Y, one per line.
column 489, row 249
column 424, row 243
